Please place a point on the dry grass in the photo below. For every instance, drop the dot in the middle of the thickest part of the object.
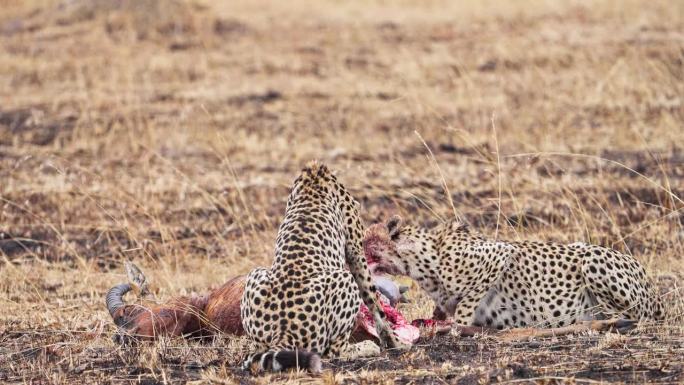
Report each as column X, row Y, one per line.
column 168, row 133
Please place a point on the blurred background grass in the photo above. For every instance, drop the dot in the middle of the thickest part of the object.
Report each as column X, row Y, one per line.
column 168, row 132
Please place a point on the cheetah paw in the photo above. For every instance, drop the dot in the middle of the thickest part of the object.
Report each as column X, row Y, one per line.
column 367, row 348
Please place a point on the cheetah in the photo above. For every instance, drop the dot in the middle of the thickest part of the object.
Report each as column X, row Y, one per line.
column 499, row 285
column 305, row 305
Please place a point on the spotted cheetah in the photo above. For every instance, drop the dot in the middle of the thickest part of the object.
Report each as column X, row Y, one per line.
column 305, row 305
column 502, row 285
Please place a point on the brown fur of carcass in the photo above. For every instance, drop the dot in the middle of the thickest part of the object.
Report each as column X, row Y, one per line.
column 196, row 316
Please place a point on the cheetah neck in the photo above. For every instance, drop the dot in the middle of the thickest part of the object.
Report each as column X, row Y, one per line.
column 423, row 262
column 447, row 239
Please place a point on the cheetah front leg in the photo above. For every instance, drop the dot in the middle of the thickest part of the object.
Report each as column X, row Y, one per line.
column 347, row 351
column 457, row 314
column 524, row 334
column 358, row 266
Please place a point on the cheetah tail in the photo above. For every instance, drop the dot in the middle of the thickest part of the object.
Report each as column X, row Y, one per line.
column 281, row 360
column 115, row 302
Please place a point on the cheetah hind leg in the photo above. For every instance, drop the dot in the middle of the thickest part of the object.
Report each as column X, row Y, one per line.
column 524, row 334
column 620, row 286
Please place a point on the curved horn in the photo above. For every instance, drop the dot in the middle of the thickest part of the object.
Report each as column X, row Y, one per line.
column 115, row 300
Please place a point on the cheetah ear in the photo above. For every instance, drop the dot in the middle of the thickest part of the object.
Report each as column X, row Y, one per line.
column 394, row 226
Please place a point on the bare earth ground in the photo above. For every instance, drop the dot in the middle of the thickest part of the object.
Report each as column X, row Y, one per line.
column 168, row 133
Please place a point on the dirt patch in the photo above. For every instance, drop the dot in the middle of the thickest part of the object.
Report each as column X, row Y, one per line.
column 33, row 126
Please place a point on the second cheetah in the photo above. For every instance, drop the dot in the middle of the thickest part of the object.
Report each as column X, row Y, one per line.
column 502, row 285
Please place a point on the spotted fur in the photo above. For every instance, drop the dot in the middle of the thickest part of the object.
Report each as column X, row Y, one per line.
column 500, row 284
column 307, row 301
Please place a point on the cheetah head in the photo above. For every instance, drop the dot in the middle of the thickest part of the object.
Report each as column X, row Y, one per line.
column 391, row 247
